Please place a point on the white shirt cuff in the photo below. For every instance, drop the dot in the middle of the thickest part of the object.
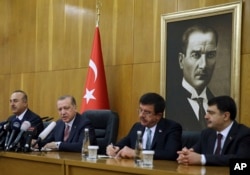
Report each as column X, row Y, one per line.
column 203, row 159
column 58, row 144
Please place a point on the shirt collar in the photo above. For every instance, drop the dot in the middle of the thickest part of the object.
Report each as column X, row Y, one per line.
column 20, row 117
column 71, row 122
column 226, row 130
column 192, row 91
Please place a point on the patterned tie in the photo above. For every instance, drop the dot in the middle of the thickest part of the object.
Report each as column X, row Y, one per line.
column 202, row 112
column 218, row 148
column 148, row 143
column 66, row 133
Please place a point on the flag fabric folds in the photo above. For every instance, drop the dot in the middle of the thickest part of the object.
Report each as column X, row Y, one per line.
column 95, row 93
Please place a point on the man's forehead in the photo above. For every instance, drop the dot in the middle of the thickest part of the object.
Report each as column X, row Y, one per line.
column 16, row 95
column 197, row 36
column 213, row 107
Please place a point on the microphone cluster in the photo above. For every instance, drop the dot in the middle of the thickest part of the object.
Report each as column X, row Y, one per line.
column 17, row 136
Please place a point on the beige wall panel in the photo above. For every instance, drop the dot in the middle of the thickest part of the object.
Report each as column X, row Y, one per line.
column 245, row 90
column 43, row 36
column 4, row 100
column 216, row 2
column 245, row 27
column 116, row 26
column 4, row 37
column 57, row 29
column 119, row 83
column 189, row 4
column 162, row 7
column 16, row 82
column 192, row 4
column 86, row 34
column 48, row 87
column 72, row 31
column 144, row 31
column 22, row 36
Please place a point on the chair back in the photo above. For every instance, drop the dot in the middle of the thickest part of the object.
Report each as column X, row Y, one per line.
column 190, row 138
column 105, row 123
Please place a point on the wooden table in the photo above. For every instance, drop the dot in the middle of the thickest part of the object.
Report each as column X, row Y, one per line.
column 66, row 163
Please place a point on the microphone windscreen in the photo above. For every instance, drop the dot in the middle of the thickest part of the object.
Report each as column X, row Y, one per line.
column 16, row 125
column 47, row 130
column 25, row 125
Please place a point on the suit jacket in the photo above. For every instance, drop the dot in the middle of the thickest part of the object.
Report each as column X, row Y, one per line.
column 236, row 145
column 179, row 109
column 34, row 119
column 166, row 140
column 76, row 136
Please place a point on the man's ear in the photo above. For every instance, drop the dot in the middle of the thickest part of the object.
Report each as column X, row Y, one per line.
column 181, row 57
column 227, row 116
column 159, row 116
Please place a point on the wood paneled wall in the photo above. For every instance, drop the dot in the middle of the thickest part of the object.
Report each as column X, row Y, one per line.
column 45, row 47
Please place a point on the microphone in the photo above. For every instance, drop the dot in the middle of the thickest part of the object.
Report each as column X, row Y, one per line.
column 44, row 118
column 29, row 135
column 3, row 127
column 15, row 128
column 3, row 134
column 45, row 132
column 49, row 119
column 24, row 127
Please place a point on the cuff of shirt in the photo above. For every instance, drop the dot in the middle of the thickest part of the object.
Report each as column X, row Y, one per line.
column 58, row 145
column 203, row 159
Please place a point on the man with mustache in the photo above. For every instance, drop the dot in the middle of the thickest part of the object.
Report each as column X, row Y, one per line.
column 223, row 140
column 165, row 134
column 197, row 61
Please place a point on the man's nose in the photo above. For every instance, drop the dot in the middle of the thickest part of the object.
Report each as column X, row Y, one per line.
column 202, row 61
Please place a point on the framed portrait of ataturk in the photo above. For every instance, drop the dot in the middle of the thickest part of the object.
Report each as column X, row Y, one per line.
column 200, row 56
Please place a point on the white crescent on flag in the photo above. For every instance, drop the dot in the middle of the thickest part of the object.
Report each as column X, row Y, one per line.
column 92, row 65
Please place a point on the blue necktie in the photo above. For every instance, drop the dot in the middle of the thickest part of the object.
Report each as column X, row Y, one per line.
column 148, row 142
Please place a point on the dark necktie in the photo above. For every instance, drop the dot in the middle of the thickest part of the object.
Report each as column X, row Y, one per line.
column 202, row 112
column 66, row 133
column 148, row 142
column 218, row 148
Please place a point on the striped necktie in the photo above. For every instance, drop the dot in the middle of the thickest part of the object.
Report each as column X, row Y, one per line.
column 66, row 133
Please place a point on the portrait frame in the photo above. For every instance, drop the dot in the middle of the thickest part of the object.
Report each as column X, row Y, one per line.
column 226, row 19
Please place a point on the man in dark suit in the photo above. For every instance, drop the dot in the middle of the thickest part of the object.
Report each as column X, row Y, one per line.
column 197, row 61
column 166, row 134
column 57, row 140
column 19, row 107
column 233, row 138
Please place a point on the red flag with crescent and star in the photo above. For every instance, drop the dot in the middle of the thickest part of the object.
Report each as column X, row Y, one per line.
column 95, row 93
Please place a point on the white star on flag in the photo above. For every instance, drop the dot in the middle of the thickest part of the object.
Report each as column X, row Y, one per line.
column 89, row 95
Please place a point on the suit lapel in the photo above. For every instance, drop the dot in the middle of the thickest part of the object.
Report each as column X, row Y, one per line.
column 73, row 129
column 230, row 136
column 158, row 132
column 211, row 142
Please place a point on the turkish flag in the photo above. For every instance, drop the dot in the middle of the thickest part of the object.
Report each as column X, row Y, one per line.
column 95, row 93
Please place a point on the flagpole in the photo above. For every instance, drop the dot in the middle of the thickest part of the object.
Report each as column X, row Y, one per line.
column 98, row 5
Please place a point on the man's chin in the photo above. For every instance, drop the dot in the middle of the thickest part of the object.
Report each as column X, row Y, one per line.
column 143, row 123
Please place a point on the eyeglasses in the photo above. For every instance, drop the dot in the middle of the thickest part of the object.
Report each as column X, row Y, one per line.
column 144, row 112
